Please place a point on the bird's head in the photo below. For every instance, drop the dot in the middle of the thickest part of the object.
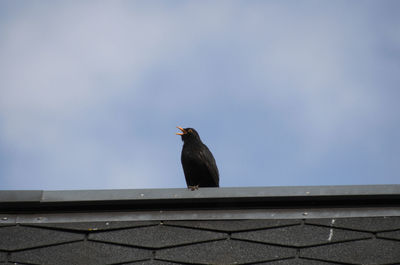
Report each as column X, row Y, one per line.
column 188, row 134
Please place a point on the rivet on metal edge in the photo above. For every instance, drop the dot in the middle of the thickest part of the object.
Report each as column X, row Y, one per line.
column 305, row 214
column 107, row 223
column 141, row 195
column 4, row 218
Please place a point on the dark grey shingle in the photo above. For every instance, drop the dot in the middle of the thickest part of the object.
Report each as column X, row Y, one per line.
column 156, row 236
column 391, row 235
column 225, row 252
column 21, row 237
column 368, row 252
column 234, row 225
column 299, row 235
column 97, row 226
column 3, row 256
column 151, row 262
column 81, row 253
column 373, row 224
column 297, row 262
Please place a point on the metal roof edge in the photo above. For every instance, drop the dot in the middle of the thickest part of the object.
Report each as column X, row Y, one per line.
column 20, row 196
column 233, row 197
column 181, row 193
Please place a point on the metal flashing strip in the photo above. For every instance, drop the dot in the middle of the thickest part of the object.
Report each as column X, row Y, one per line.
column 218, row 193
column 198, row 215
column 20, row 196
column 203, row 199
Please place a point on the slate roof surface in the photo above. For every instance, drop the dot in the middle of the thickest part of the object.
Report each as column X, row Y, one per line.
column 300, row 243
column 27, row 239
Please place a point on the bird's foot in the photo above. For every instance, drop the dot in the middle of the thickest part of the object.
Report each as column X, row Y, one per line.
column 193, row 187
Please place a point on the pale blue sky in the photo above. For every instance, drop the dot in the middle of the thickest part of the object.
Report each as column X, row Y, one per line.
column 282, row 92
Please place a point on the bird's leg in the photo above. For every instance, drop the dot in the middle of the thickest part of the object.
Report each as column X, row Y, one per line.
column 196, row 187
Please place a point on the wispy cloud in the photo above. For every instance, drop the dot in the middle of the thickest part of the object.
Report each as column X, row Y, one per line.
column 90, row 92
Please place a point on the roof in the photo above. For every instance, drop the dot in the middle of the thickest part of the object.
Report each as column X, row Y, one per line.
column 260, row 225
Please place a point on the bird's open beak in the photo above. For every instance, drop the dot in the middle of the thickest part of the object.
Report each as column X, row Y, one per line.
column 183, row 131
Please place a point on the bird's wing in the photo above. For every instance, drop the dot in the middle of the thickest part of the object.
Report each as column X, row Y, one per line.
column 206, row 156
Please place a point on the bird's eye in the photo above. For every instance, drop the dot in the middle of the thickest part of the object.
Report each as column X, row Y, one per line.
column 190, row 130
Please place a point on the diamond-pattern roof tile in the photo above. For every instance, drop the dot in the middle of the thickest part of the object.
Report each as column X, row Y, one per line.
column 97, row 226
column 156, row 236
column 21, row 237
column 373, row 224
column 81, row 253
column 366, row 252
column 390, row 235
column 299, row 235
column 296, row 261
column 3, row 256
column 225, row 252
column 151, row 262
column 234, row 225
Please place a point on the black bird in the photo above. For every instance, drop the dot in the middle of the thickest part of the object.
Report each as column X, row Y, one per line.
column 197, row 161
